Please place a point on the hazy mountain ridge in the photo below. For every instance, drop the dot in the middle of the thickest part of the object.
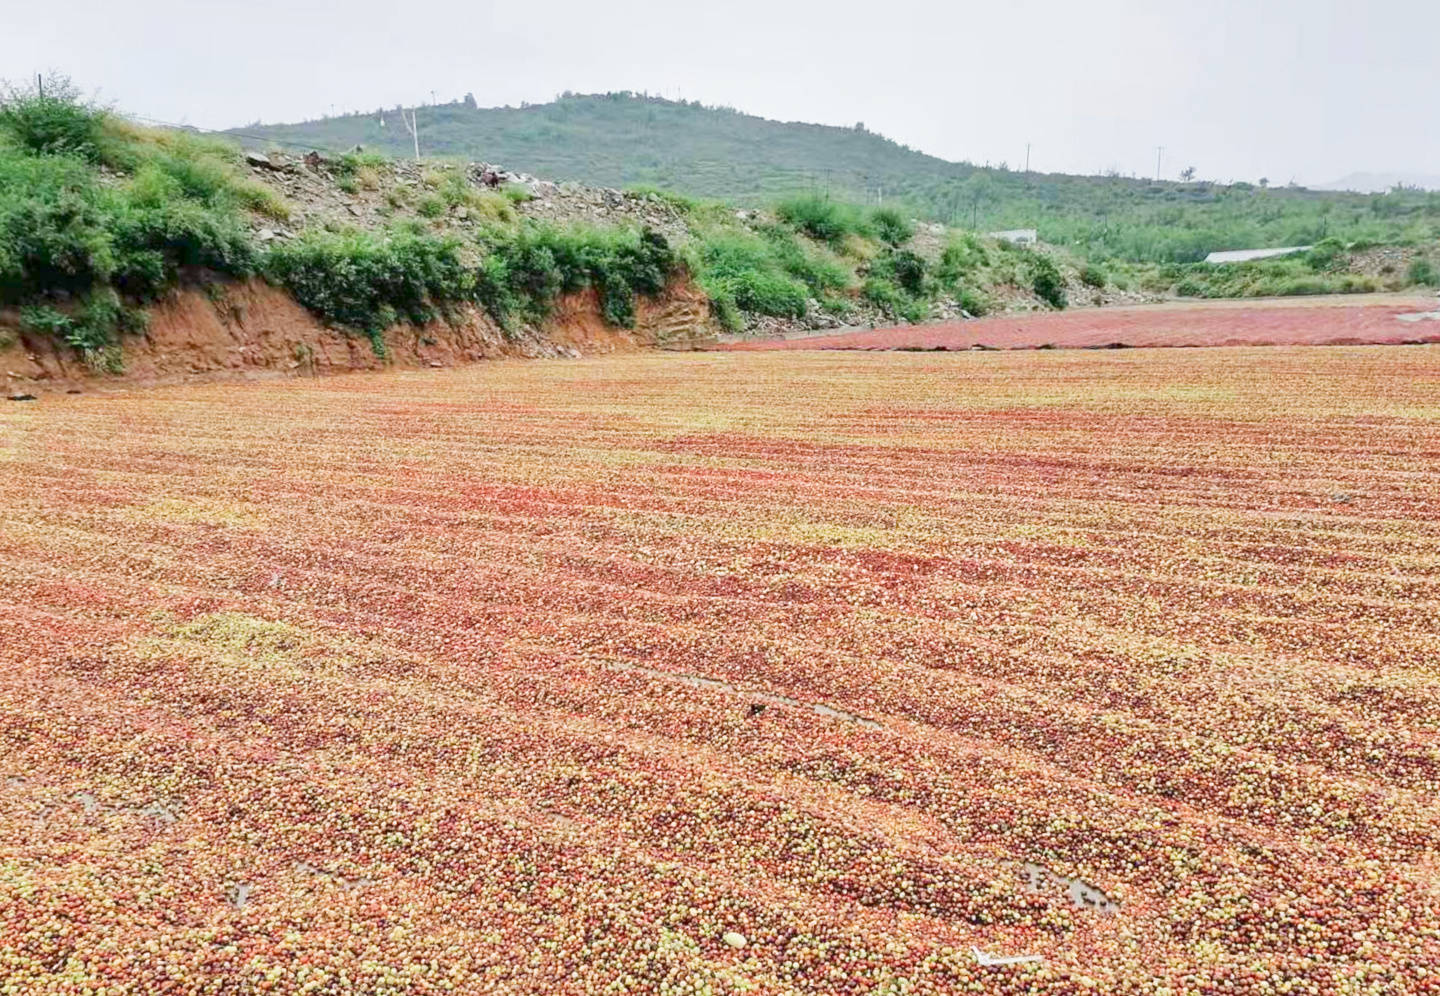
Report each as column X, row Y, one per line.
column 629, row 140
column 1379, row 183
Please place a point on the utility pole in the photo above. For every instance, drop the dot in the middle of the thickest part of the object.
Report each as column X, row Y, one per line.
column 1027, row 157
column 40, row 84
column 1159, row 155
column 413, row 127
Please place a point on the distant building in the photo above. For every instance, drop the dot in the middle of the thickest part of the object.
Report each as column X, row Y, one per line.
column 1019, row 236
column 1246, row 255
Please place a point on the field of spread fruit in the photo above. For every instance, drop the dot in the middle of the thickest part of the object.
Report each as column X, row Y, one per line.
column 823, row 673
column 1361, row 320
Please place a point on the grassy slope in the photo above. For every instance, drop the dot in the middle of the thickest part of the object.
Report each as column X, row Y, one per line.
column 622, row 140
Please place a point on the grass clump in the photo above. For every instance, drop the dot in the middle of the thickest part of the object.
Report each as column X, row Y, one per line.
column 682, row 204
column 1094, row 276
column 358, row 170
column 1424, row 273
column 891, row 227
column 769, row 272
column 822, row 219
column 450, row 190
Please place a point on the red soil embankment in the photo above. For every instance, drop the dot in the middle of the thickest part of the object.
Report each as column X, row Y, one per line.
column 249, row 328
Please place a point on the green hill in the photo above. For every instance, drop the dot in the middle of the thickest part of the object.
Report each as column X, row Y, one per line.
column 626, row 140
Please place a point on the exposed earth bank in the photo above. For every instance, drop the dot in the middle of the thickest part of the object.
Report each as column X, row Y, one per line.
column 250, row 328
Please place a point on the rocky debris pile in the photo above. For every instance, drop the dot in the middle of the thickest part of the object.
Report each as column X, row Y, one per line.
column 324, row 191
column 573, row 203
column 1383, row 262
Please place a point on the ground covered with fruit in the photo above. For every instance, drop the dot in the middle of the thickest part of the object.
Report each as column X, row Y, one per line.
column 824, row 673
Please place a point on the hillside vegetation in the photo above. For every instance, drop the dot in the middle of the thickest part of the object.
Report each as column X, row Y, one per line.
column 623, row 140
column 99, row 218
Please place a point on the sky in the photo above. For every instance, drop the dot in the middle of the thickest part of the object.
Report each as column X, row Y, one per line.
column 1289, row 90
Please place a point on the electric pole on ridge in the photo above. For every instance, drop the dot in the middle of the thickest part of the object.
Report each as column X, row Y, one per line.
column 413, row 127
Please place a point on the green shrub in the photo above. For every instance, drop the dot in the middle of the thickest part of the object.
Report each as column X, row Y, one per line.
column 902, row 268
column 54, row 228
column 727, row 313
column 90, row 327
column 768, row 294
column 58, row 122
column 153, row 242
column 1354, row 284
column 1301, row 286
column 42, row 318
column 814, row 267
column 1093, row 276
column 891, row 298
column 746, row 272
column 357, row 161
column 972, row 302
column 532, row 267
column 1046, row 281
column 73, row 240
column 1424, row 273
column 891, row 227
column 963, row 257
column 1328, row 254
column 366, row 282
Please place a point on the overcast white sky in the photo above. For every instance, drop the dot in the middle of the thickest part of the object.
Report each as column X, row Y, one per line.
column 1302, row 89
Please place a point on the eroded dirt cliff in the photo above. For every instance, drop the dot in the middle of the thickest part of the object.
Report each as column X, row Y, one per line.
column 237, row 329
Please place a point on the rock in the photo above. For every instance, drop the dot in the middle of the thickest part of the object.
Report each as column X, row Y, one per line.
column 260, row 159
column 734, row 938
column 22, row 397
